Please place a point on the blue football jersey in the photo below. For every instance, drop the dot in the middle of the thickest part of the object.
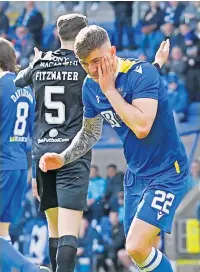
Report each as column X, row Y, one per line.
column 16, row 122
column 162, row 149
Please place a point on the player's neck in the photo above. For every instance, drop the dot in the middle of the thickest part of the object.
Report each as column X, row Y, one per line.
column 1, row 70
column 67, row 45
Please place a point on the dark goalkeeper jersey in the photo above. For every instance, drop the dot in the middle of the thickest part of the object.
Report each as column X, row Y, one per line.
column 57, row 81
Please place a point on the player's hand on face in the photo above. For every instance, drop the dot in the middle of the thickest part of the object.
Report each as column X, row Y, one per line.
column 51, row 161
column 163, row 53
column 34, row 189
column 106, row 74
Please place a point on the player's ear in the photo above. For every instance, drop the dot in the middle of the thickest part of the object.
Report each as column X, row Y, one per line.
column 113, row 50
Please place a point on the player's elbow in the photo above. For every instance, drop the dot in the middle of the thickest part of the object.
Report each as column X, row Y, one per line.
column 142, row 132
column 19, row 82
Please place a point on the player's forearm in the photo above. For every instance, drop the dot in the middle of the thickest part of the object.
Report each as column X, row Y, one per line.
column 133, row 117
column 23, row 78
column 84, row 140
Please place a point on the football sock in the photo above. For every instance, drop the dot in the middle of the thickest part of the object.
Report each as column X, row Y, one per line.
column 66, row 253
column 11, row 259
column 156, row 262
column 53, row 245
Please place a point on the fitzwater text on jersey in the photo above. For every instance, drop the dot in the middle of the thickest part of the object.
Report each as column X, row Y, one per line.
column 56, row 75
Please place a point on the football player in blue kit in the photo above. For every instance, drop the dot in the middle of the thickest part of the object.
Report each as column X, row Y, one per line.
column 130, row 95
column 16, row 123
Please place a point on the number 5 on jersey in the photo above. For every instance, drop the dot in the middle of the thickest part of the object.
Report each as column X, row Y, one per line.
column 54, row 105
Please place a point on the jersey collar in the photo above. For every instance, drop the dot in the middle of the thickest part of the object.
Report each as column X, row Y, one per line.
column 2, row 74
column 119, row 65
column 64, row 52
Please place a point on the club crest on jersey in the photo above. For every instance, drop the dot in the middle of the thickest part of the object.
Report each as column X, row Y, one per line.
column 53, row 133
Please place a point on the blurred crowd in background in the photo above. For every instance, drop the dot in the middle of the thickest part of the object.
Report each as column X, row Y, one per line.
column 101, row 241
column 176, row 20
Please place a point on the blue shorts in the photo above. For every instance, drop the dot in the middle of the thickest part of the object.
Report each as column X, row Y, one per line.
column 13, row 184
column 154, row 200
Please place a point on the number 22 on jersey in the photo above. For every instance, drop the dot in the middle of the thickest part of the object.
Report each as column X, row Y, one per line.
column 162, row 201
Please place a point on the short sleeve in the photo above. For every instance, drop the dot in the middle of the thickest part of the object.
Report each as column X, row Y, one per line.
column 147, row 84
column 88, row 109
column 24, row 78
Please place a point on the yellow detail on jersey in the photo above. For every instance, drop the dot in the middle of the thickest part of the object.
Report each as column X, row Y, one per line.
column 126, row 65
column 177, row 167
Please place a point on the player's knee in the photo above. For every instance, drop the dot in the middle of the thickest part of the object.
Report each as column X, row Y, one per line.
column 137, row 250
column 135, row 253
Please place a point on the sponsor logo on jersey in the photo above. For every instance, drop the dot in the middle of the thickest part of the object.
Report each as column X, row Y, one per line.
column 18, row 139
column 52, row 140
column 52, row 61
